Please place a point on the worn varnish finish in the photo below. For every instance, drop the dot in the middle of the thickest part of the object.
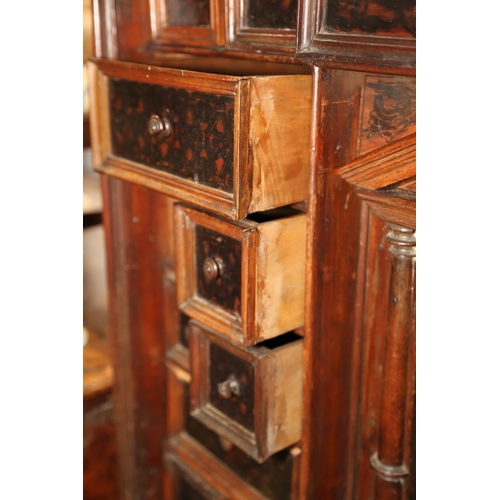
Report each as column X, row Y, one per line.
column 133, row 216
column 262, row 416
column 262, row 295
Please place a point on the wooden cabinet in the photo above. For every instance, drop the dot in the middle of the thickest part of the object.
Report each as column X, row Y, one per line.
column 260, row 354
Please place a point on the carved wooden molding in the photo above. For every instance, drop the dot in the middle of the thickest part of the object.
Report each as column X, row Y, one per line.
column 384, row 166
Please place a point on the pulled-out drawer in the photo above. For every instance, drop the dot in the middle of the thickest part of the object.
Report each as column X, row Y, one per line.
column 250, row 396
column 245, row 279
column 231, row 144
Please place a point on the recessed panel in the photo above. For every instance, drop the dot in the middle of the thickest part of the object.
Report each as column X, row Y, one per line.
column 201, row 140
column 375, row 17
column 271, row 14
column 188, row 13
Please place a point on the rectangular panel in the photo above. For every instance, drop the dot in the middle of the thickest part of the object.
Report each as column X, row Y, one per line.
column 188, row 13
column 201, row 141
column 368, row 35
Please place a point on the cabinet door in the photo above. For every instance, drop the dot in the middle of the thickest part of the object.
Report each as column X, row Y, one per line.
column 373, row 35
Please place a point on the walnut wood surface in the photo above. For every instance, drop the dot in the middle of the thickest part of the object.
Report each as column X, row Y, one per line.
column 347, row 205
column 133, row 220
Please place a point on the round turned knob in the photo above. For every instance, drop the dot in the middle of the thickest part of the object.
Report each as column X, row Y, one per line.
column 225, row 444
column 212, row 268
column 229, row 387
column 159, row 125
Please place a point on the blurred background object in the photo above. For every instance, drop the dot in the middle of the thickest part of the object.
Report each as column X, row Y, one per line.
column 99, row 447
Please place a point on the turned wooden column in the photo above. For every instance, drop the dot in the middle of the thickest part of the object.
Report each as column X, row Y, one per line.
column 389, row 461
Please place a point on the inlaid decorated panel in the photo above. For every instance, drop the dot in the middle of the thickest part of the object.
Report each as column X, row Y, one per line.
column 199, row 146
column 225, row 366
column 395, row 18
column 275, row 14
column 188, row 12
column 388, row 111
column 224, row 289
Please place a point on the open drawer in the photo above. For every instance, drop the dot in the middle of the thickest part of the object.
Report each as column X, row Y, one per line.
column 231, row 144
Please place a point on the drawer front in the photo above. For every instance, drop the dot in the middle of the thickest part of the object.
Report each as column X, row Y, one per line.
column 218, row 269
column 236, row 402
column 245, row 279
column 201, row 141
column 251, row 397
column 229, row 144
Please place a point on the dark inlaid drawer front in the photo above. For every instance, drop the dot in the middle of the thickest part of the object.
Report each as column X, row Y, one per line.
column 231, row 144
column 217, row 250
column 245, row 279
column 198, row 148
column 250, row 396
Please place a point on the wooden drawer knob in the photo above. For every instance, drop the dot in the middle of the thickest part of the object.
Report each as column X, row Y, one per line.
column 229, row 387
column 212, row 268
column 159, row 125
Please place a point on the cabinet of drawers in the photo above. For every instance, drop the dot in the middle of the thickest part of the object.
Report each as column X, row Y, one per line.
column 258, row 163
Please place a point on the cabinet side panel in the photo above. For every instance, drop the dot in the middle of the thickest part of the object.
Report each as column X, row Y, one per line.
column 132, row 217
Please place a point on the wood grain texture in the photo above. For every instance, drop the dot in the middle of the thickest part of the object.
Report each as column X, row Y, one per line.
column 279, row 136
column 133, row 217
column 280, row 271
column 349, row 302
